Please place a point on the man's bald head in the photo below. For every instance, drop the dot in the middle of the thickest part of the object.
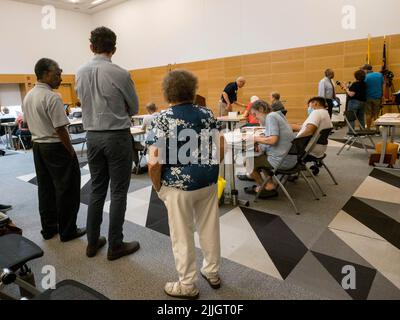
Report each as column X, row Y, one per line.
column 241, row 81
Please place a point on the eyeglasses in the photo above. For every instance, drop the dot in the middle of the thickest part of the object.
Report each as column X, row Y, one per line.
column 56, row 71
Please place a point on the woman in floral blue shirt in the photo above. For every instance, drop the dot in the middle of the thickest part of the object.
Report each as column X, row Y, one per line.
column 184, row 149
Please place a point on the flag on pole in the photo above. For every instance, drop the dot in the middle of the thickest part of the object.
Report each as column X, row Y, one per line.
column 384, row 58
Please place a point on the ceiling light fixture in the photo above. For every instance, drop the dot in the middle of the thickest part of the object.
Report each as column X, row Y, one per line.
column 97, row 2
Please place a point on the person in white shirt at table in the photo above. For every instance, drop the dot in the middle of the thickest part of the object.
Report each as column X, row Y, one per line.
column 317, row 120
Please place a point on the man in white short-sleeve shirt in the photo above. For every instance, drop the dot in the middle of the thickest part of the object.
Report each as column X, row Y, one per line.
column 57, row 168
column 317, row 120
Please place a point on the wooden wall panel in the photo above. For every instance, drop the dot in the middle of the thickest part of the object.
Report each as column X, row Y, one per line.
column 294, row 72
column 27, row 82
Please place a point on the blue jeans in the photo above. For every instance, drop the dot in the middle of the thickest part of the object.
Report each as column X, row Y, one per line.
column 358, row 107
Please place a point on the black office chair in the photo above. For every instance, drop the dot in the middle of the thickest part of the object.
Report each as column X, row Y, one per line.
column 298, row 148
column 15, row 252
column 77, row 129
column 356, row 135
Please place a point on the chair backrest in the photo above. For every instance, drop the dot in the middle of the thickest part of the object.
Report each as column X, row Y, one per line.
column 350, row 116
column 77, row 114
column 6, row 120
column 299, row 146
column 76, row 129
column 323, row 136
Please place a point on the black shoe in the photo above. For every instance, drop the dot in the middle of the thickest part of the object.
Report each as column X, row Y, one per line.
column 5, row 208
column 91, row 250
column 78, row 233
column 124, row 249
column 47, row 235
column 266, row 194
column 244, row 177
column 250, row 190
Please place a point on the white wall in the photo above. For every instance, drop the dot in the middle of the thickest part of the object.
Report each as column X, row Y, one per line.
column 10, row 95
column 159, row 32
column 23, row 41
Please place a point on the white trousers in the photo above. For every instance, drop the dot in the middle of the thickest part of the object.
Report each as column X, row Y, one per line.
column 187, row 211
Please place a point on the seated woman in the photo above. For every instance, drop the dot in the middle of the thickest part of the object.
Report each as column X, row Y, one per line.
column 23, row 131
column 250, row 119
column 272, row 148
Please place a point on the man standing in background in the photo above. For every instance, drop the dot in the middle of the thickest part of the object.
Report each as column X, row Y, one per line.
column 108, row 99
column 326, row 89
column 57, row 168
column 375, row 82
column 229, row 96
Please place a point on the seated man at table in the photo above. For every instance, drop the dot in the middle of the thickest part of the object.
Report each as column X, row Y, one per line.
column 272, row 148
column 276, row 103
column 147, row 119
column 317, row 120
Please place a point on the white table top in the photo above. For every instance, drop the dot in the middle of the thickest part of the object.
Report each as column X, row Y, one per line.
column 75, row 121
column 137, row 130
column 231, row 119
column 8, row 124
column 389, row 119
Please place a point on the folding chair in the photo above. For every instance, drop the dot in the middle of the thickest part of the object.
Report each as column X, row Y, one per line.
column 77, row 129
column 15, row 252
column 356, row 135
column 142, row 154
column 319, row 162
column 298, row 148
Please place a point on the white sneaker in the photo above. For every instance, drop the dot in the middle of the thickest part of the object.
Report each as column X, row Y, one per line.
column 213, row 280
column 178, row 290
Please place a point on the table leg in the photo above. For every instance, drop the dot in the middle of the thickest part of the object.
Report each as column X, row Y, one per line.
column 11, row 139
column 383, row 149
column 235, row 193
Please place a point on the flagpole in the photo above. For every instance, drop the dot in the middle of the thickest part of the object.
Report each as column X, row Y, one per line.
column 369, row 49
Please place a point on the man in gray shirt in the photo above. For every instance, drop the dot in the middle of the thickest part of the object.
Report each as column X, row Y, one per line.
column 274, row 146
column 108, row 101
column 57, row 168
column 326, row 89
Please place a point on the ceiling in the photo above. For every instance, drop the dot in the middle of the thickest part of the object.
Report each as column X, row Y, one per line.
column 83, row 6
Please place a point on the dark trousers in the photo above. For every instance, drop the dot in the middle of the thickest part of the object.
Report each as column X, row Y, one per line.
column 358, row 108
column 110, row 161
column 59, row 186
column 329, row 102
